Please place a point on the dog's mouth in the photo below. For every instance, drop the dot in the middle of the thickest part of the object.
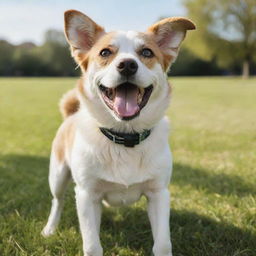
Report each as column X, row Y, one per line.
column 126, row 100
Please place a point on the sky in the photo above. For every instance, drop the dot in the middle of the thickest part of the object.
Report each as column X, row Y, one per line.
column 27, row 20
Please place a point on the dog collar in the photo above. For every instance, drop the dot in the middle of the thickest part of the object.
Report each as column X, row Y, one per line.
column 126, row 139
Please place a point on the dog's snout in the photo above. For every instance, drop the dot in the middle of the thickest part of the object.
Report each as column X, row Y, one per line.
column 127, row 67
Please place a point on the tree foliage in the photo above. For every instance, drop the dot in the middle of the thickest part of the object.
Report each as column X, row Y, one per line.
column 189, row 64
column 52, row 58
column 226, row 31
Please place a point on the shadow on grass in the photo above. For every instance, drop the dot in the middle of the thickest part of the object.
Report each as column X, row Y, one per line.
column 23, row 186
column 23, row 183
column 214, row 183
column 192, row 234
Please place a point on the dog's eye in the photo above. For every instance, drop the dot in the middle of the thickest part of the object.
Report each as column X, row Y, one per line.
column 105, row 52
column 146, row 52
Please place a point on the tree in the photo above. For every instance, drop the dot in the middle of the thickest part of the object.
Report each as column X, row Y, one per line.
column 190, row 65
column 6, row 58
column 52, row 58
column 226, row 31
column 55, row 54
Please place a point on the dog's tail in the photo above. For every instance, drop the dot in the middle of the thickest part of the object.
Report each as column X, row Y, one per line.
column 69, row 103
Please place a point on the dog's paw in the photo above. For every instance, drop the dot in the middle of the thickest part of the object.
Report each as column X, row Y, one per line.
column 96, row 251
column 47, row 231
column 169, row 254
column 163, row 249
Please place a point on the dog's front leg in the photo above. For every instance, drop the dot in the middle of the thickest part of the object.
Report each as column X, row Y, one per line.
column 159, row 213
column 89, row 214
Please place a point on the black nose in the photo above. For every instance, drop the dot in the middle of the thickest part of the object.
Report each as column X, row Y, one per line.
column 127, row 67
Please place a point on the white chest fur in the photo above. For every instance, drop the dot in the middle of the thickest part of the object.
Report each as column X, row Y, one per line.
column 117, row 194
column 119, row 174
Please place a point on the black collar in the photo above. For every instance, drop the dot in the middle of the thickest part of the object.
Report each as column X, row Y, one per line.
column 126, row 139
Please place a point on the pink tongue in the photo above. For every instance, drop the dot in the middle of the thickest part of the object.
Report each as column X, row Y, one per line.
column 125, row 102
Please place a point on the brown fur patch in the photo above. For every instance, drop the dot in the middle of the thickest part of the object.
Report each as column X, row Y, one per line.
column 158, row 55
column 69, row 103
column 82, row 60
column 64, row 139
column 150, row 44
column 87, row 35
column 175, row 23
column 102, row 43
column 167, row 60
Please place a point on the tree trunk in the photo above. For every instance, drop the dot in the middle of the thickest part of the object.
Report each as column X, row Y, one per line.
column 246, row 69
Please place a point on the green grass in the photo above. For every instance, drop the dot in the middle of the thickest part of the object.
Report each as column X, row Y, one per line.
column 213, row 187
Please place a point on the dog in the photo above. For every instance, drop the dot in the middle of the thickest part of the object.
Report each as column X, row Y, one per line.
column 113, row 142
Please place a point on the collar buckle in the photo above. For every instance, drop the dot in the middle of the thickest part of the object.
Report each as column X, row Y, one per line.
column 131, row 141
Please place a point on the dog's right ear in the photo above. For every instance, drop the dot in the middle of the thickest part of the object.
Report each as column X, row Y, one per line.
column 168, row 35
column 81, row 33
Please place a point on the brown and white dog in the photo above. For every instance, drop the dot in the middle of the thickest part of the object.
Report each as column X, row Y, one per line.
column 114, row 139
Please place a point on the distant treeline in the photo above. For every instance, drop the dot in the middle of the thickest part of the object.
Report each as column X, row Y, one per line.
column 53, row 58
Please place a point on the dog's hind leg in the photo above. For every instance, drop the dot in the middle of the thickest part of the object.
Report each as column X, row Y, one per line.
column 59, row 178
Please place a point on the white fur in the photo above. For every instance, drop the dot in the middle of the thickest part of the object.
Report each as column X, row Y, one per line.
column 103, row 170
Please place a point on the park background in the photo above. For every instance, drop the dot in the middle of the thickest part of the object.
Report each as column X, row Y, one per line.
column 213, row 135
column 32, row 41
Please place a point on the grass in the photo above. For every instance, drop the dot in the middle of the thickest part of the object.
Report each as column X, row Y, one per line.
column 213, row 187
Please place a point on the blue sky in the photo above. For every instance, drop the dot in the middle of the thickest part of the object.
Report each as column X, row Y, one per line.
column 26, row 20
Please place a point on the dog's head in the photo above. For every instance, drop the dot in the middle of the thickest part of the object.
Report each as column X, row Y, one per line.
column 124, row 72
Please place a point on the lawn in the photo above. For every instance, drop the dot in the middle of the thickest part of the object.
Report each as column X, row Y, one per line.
column 213, row 188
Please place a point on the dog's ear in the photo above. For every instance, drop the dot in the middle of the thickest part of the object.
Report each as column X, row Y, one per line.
column 81, row 32
column 168, row 35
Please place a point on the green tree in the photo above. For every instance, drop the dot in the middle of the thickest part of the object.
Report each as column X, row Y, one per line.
column 55, row 54
column 25, row 61
column 190, row 65
column 6, row 58
column 226, row 31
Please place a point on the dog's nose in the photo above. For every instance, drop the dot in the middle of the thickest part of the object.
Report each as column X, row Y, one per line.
column 127, row 67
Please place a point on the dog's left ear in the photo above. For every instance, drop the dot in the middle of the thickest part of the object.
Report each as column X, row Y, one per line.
column 81, row 32
column 168, row 35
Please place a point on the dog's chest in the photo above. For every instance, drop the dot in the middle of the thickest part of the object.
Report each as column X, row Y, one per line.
column 117, row 194
column 126, row 167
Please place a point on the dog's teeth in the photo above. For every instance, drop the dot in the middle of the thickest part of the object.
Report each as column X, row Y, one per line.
column 140, row 95
column 139, row 99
